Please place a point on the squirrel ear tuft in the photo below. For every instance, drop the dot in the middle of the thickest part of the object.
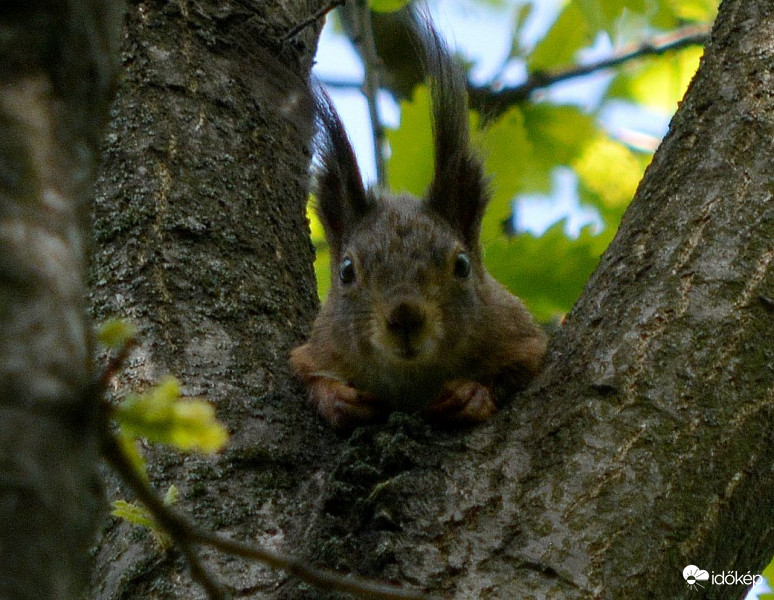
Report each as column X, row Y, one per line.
column 342, row 199
column 458, row 192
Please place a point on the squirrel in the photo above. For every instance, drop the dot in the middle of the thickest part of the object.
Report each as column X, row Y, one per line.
column 413, row 321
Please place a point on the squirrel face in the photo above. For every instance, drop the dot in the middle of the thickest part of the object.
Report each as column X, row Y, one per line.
column 409, row 278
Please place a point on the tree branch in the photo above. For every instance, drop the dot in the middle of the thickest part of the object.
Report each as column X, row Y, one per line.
column 186, row 536
column 372, row 65
column 294, row 31
column 491, row 102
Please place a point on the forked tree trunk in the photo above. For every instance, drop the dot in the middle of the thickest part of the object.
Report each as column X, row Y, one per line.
column 645, row 446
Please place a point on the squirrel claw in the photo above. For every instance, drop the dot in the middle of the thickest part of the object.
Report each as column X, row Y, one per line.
column 463, row 402
column 341, row 405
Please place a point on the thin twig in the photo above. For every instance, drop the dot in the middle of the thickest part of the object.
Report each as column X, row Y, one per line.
column 485, row 99
column 372, row 64
column 321, row 578
column 186, row 535
column 177, row 528
column 318, row 15
column 498, row 101
column 200, row 573
column 114, row 365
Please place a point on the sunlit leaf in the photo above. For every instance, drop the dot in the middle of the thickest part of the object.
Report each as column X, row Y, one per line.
column 520, row 20
column 558, row 133
column 695, row 10
column 322, row 269
column 547, row 272
column 658, row 84
column 410, row 166
column 115, row 334
column 136, row 514
column 133, row 512
column 661, row 14
column 321, row 250
column 171, row 496
column 621, row 18
column 569, row 33
column 611, row 171
column 523, row 148
column 600, row 15
column 768, row 574
column 161, row 415
column 315, row 225
column 507, row 155
column 494, row 3
column 387, row 5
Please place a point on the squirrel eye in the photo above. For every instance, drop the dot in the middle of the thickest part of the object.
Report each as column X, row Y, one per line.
column 347, row 271
column 462, row 266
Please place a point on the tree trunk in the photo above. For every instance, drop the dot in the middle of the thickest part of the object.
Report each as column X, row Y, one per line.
column 56, row 75
column 645, row 445
column 203, row 243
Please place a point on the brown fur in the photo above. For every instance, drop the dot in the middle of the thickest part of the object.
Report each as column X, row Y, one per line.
column 411, row 330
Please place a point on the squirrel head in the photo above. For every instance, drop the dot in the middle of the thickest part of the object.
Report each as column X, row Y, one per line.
column 406, row 272
column 408, row 275
column 412, row 321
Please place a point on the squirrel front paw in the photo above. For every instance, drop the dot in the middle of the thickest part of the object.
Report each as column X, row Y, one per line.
column 462, row 402
column 341, row 405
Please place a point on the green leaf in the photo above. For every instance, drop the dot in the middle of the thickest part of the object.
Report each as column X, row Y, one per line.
column 133, row 512
column 410, row 166
column 558, row 134
column 522, row 148
column 160, row 415
column 658, row 84
column 171, row 496
column 136, row 514
column 604, row 15
column 768, row 574
column 695, row 10
column 500, row 144
column 322, row 258
column 385, row 6
column 322, row 270
column 520, row 20
column 609, row 173
column 622, row 20
column 115, row 334
column 547, row 272
column 569, row 33
column 662, row 15
column 316, row 230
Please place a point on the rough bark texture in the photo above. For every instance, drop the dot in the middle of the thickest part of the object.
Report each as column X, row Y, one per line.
column 56, row 74
column 645, row 446
column 203, row 242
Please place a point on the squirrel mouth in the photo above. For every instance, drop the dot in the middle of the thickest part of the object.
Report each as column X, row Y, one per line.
column 407, row 352
column 406, row 331
column 410, row 349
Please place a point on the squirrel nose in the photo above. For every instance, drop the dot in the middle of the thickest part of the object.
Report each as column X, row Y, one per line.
column 406, row 319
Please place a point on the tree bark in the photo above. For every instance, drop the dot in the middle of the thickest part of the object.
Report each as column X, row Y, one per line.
column 203, row 243
column 56, row 75
column 645, row 445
